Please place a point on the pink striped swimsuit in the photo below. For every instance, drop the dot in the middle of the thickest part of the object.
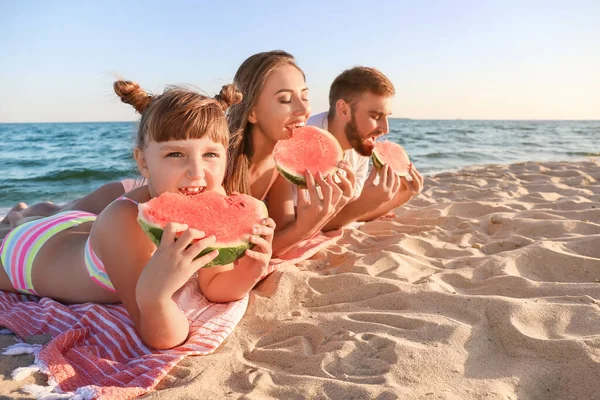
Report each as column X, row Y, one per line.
column 20, row 247
column 22, row 244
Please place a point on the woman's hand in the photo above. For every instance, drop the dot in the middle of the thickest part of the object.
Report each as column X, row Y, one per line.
column 172, row 264
column 314, row 210
column 346, row 184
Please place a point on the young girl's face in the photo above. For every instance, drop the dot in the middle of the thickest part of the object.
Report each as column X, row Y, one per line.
column 282, row 104
column 187, row 166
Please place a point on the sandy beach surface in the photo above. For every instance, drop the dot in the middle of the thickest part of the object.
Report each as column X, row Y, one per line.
column 486, row 286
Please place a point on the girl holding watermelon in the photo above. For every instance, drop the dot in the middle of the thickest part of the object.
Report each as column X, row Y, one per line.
column 77, row 256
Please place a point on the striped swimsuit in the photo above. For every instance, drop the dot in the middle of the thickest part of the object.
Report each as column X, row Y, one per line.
column 20, row 247
column 22, row 244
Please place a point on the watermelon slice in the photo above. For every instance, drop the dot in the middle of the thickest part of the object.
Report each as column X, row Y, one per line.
column 308, row 147
column 391, row 153
column 229, row 218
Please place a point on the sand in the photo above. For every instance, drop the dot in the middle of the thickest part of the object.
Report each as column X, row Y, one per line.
column 485, row 286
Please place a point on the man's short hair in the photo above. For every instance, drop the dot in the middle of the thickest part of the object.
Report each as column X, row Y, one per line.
column 353, row 82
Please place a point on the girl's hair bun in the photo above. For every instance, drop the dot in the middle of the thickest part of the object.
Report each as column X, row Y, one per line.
column 131, row 93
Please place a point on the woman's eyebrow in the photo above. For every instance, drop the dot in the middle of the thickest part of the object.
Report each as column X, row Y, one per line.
column 289, row 90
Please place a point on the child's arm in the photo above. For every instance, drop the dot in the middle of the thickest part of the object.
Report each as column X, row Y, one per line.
column 145, row 277
column 232, row 282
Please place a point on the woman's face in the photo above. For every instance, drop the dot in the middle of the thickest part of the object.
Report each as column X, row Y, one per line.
column 282, row 105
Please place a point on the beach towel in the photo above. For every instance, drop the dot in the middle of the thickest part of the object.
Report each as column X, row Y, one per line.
column 95, row 352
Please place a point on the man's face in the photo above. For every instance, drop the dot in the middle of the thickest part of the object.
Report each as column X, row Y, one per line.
column 369, row 120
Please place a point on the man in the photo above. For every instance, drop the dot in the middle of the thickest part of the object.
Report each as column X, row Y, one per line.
column 360, row 102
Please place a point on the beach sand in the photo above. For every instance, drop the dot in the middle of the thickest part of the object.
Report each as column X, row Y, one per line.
column 485, row 286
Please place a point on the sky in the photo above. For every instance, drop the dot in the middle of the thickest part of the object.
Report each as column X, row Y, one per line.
column 447, row 59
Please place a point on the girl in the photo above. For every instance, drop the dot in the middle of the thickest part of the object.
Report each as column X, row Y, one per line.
column 78, row 257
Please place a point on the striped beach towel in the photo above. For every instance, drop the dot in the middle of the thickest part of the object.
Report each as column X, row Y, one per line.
column 95, row 351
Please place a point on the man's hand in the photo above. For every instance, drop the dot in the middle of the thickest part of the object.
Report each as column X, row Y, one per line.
column 408, row 189
column 385, row 190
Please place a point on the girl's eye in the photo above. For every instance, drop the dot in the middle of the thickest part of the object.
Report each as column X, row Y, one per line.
column 212, row 155
column 175, row 154
column 285, row 101
column 306, row 100
column 376, row 117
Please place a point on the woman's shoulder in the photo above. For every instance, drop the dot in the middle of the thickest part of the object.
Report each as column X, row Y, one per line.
column 281, row 187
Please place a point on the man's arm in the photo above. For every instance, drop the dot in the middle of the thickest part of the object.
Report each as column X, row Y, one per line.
column 408, row 189
column 356, row 210
column 378, row 200
column 370, row 199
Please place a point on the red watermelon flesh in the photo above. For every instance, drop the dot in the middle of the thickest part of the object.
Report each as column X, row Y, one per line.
column 229, row 218
column 308, row 147
column 391, row 153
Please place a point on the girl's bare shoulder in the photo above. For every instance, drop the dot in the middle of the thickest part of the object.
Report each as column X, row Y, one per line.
column 117, row 225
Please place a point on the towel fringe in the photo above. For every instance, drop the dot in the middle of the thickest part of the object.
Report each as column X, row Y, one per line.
column 21, row 348
column 86, row 393
column 51, row 392
column 45, row 392
column 23, row 372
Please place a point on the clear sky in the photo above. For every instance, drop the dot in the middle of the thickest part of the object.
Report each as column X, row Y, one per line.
column 447, row 59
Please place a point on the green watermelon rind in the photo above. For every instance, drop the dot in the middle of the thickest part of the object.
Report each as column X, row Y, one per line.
column 300, row 180
column 228, row 252
column 378, row 163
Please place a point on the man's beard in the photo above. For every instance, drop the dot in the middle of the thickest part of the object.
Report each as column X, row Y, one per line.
column 353, row 136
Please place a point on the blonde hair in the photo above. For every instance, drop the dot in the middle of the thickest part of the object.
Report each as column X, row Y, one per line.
column 353, row 82
column 250, row 78
column 179, row 113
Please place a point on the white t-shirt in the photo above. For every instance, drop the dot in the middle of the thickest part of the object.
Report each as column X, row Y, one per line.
column 358, row 162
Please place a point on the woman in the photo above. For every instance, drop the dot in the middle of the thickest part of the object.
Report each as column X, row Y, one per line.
column 275, row 102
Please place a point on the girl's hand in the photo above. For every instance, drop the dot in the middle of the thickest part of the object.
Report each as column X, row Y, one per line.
column 256, row 261
column 172, row 264
column 313, row 210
